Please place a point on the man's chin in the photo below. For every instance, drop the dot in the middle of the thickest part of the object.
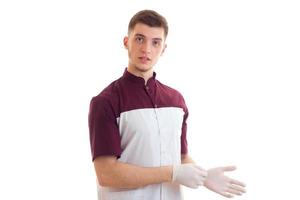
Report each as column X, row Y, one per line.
column 144, row 68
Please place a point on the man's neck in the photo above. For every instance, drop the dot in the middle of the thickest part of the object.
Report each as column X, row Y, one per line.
column 146, row 75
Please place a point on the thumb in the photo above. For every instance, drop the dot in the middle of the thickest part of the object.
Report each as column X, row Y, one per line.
column 229, row 168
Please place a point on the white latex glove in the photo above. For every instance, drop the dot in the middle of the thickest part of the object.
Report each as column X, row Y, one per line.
column 217, row 182
column 189, row 175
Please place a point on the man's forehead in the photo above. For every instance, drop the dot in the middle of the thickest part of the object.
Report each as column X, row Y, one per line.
column 147, row 31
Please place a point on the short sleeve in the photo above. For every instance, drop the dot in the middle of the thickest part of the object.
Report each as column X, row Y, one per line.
column 184, row 144
column 103, row 129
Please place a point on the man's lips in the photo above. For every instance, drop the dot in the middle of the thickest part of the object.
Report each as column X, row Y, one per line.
column 144, row 59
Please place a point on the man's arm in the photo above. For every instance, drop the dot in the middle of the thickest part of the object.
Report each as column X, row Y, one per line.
column 112, row 173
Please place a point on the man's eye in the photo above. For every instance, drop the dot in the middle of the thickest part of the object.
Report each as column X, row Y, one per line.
column 156, row 43
column 139, row 39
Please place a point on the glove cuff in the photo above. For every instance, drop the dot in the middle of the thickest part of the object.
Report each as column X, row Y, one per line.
column 174, row 174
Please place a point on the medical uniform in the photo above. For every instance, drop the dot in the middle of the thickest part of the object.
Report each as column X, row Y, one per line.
column 140, row 124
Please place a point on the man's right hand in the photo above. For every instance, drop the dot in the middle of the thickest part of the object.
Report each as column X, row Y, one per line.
column 217, row 182
column 189, row 175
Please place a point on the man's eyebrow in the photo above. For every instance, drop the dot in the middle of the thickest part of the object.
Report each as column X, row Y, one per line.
column 141, row 35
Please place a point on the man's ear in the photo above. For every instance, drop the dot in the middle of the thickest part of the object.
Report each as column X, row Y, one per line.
column 163, row 50
column 125, row 42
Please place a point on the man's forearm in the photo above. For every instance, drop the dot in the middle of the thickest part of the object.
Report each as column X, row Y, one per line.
column 122, row 175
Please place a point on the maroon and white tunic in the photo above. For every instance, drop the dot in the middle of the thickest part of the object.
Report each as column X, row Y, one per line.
column 140, row 124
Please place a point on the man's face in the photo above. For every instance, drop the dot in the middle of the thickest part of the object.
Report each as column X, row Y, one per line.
column 145, row 45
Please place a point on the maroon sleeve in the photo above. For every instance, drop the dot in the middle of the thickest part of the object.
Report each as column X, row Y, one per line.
column 184, row 144
column 104, row 132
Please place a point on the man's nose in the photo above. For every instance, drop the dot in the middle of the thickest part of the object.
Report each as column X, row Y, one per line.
column 146, row 47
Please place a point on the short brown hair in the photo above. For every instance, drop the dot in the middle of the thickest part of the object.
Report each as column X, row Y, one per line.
column 150, row 18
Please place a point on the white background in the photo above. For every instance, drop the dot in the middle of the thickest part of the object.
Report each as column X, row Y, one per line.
column 235, row 62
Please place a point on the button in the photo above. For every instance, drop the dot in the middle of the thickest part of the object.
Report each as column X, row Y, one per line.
column 155, row 106
column 147, row 88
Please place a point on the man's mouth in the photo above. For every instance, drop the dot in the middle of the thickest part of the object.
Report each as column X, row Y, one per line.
column 144, row 59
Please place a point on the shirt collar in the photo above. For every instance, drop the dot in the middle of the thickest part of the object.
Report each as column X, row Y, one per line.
column 139, row 80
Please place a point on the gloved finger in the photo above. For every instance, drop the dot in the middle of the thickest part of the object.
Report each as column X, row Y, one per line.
column 200, row 181
column 232, row 191
column 236, row 182
column 194, row 186
column 229, row 168
column 225, row 194
column 237, row 188
column 198, row 167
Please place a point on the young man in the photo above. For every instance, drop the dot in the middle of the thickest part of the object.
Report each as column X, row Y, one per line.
column 138, row 128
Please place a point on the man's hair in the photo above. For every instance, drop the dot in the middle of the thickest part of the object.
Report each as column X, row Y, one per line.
column 150, row 18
